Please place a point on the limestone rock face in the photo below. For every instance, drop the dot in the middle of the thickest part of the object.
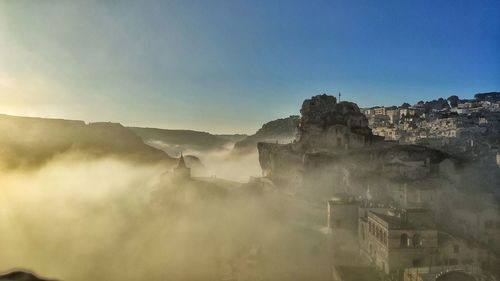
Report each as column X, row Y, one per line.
column 281, row 130
column 324, row 111
column 336, row 151
column 314, row 109
column 280, row 162
column 326, row 125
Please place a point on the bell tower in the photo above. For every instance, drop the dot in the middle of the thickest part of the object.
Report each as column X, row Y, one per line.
column 182, row 171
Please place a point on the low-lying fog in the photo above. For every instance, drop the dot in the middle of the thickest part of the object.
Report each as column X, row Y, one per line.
column 223, row 163
column 80, row 219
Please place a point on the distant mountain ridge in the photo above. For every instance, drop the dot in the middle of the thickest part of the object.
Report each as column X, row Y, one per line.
column 30, row 141
column 176, row 141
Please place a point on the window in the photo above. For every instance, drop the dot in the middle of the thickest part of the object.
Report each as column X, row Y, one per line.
column 338, row 223
column 456, row 249
column 404, row 240
column 417, row 240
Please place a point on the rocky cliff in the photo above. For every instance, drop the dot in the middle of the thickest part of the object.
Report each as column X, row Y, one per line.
column 326, row 125
column 335, row 151
column 281, row 130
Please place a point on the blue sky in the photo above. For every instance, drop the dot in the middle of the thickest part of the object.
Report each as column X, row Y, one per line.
column 229, row 66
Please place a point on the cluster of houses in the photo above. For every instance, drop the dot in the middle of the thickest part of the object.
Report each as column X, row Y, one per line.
column 452, row 125
column 438, row 118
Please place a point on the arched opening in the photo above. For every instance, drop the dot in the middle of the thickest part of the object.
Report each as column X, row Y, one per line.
column 416, row 240
column 404, row 240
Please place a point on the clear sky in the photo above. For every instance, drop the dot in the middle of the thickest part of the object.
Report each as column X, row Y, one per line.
column 229, row 66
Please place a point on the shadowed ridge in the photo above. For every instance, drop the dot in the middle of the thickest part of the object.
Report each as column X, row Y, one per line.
column 19, row 275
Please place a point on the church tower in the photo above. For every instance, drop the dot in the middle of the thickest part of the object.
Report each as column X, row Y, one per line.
column 182, row 171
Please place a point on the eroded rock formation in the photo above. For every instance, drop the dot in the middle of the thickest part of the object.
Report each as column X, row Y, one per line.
column 335, row 151
column 281, row 130
column 326, row 125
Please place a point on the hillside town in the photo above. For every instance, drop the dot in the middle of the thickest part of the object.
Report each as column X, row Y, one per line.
column 468, row 127
column 414, row 189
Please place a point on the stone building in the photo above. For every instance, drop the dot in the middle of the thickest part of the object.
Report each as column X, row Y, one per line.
column 393, row 114
column 389, row 133
column 416, row 193
column 343, row 225
column 395, row 242
column 379, row 111
column 457, row 251
column 394, row 239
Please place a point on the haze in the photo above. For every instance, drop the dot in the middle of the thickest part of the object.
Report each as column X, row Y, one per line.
column 264, row 140
column 229, row 66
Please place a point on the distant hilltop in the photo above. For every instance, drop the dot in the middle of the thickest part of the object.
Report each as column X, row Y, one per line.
column 31, row 142
column 281, row 130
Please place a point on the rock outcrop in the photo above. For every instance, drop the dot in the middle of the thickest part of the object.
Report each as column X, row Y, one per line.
column 326, row 125
column 335, row 151
column 282, row 130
